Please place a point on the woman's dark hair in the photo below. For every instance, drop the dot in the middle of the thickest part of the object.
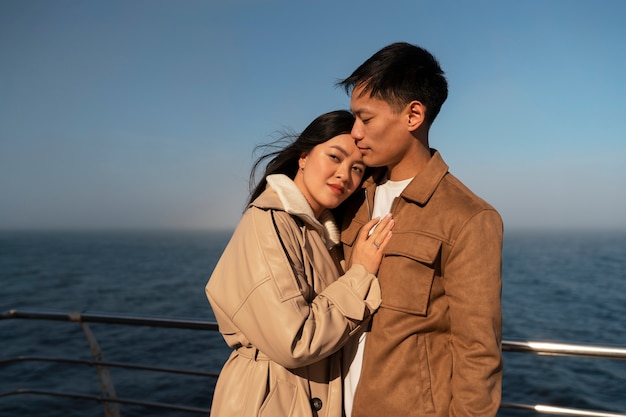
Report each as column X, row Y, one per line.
column 284, row 159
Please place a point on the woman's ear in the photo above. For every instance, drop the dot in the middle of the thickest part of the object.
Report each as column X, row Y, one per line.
column 302, row 160
column 416, row 112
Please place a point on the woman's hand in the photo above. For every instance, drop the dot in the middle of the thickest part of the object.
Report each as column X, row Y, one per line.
column 368, row 249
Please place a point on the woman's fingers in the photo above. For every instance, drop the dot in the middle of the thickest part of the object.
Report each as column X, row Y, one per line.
column 365, row 230
column 369, row 246
column 382, row 234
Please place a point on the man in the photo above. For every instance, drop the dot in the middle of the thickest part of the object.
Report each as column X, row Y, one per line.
column 434, row 348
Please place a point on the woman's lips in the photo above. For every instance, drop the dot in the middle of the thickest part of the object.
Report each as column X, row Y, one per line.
column 337, row 189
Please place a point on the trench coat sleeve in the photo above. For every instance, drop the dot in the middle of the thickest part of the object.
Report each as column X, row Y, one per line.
column 258, row 289
column 473, row 284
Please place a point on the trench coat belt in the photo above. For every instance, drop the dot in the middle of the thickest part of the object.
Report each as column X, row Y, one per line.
column 252, row 353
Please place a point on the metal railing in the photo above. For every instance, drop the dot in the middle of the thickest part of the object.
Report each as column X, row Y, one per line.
column 110, row 400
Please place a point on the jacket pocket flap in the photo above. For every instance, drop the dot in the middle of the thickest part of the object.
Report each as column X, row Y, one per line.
column 349, row 235
column 416, row 246
column 407, row 272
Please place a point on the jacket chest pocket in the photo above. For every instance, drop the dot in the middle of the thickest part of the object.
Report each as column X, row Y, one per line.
column 407, row 271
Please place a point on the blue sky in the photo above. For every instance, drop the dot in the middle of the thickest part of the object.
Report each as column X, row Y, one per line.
column 145, row 113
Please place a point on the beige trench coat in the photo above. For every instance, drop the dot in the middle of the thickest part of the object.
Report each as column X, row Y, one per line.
column 283, row 307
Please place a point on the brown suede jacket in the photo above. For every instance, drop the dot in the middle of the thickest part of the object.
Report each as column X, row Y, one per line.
column 435, row 344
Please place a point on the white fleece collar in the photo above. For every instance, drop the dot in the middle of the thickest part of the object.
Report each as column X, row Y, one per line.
column 295, row 204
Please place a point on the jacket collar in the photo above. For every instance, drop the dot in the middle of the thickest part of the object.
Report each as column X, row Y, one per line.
column 425, row 182
column 287, row 196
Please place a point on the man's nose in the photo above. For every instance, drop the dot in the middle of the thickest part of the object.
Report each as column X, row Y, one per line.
column 357, row 132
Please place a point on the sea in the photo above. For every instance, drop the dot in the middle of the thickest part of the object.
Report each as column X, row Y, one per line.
column 558, row 286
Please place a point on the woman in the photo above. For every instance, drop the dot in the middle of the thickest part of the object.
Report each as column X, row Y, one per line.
column 277, row 291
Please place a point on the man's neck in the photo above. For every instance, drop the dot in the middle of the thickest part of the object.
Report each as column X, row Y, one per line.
column 410, row 166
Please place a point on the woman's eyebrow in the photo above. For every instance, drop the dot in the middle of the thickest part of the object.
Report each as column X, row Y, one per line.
column 343, row 151
column 340, row 149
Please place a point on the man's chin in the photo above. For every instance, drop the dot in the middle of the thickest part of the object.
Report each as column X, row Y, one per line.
column 371, row 161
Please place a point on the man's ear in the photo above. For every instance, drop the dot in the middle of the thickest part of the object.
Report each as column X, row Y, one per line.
column 416, row 113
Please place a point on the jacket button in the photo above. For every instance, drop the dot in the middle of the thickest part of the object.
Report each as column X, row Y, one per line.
column 316, row 404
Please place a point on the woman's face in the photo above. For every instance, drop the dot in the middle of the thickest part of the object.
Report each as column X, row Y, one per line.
column 330, row 172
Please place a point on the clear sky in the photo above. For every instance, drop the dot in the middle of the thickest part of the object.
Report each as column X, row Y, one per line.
column 145, row 113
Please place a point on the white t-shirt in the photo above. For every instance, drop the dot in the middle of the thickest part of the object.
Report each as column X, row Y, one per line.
column 383, row 199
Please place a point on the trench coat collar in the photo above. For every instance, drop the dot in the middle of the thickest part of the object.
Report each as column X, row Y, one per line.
column 282, row 193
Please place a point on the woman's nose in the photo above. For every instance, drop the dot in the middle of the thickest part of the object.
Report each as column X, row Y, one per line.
column 342, row 172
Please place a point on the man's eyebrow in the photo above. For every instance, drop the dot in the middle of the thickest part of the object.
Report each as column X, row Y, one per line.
column 359, row 112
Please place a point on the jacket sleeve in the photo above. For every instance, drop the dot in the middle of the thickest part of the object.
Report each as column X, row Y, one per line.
column 473, row 284
column 257, row 294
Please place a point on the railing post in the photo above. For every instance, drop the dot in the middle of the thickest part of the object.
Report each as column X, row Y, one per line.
column 111, row 409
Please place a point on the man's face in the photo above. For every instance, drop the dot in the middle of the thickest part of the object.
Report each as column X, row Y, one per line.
column 380, row 133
